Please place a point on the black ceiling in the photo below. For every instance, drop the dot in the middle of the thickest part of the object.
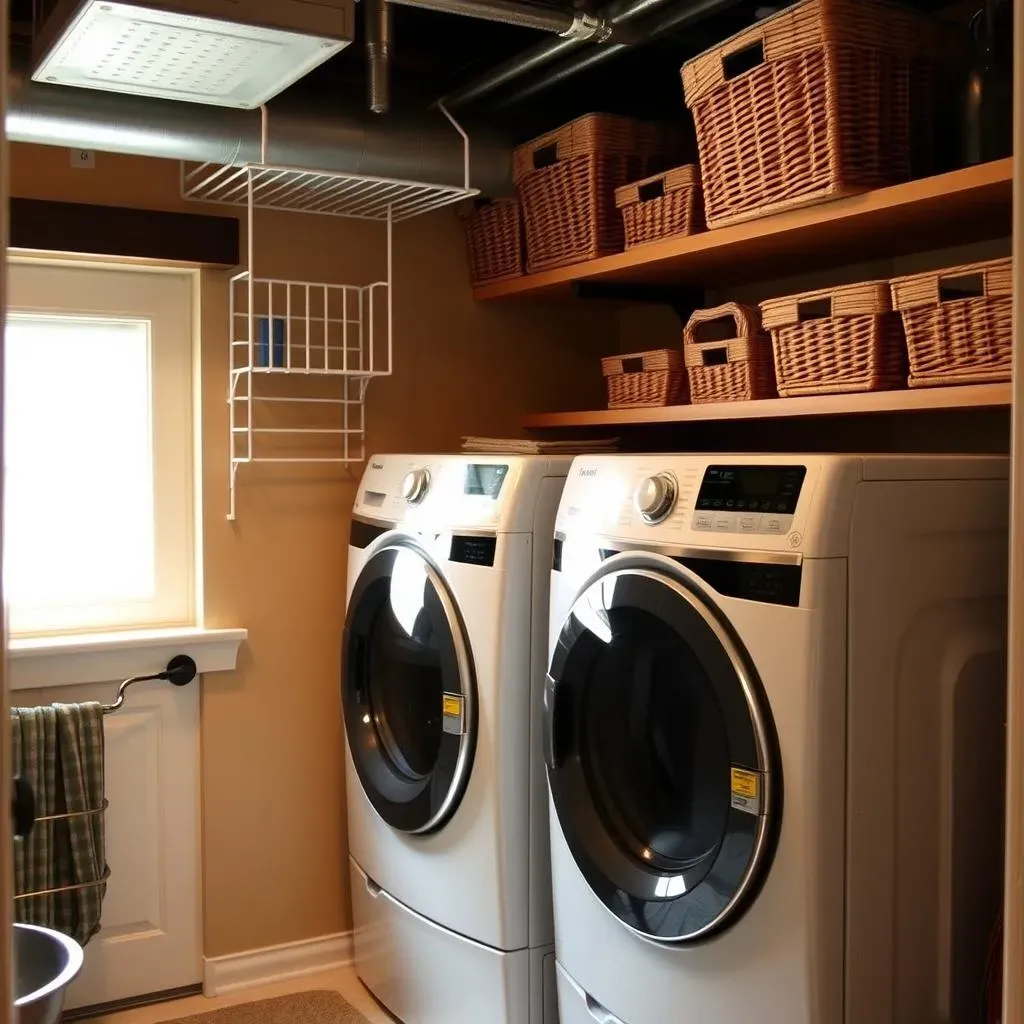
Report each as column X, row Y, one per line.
column 435, row 53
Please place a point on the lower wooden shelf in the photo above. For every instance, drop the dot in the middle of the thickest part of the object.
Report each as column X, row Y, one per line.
column 969, row 396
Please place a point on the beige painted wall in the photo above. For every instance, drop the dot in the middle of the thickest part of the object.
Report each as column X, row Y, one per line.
column 273, row 795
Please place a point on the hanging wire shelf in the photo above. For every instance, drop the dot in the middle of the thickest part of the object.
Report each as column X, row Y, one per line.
column 302, row 354
column 333, row 193
column 324, row 192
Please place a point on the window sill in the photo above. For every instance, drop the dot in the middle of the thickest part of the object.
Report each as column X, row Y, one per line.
column 35, row 663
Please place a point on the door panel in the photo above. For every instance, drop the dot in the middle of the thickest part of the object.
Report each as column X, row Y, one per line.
column 150, row 939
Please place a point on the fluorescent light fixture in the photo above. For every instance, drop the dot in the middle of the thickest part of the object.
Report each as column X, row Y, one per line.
column 178, row 51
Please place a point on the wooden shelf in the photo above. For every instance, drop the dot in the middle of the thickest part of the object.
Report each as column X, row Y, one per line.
column 971, row 396
column 949, row 209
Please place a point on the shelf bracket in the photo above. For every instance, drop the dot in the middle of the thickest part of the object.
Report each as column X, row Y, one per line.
column 683, row 299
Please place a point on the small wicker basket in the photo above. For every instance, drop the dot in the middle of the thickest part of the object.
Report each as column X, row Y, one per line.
column 837, row 340
column 824, row 99
column 494, row 239
column 567, row 179
column 645, row 379
column 959, row 323
column 662, row 206
column 728, row 357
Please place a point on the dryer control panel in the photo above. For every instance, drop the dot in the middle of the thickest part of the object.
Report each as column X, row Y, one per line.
column 760, row 502
column 748, row 499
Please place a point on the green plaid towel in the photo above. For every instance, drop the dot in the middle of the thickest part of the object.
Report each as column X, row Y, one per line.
column 58, row 750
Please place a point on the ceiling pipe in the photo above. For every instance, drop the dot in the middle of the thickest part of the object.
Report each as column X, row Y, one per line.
column 676, row 17
column 570, row 24
column 423, row 148
column 616, row 14
column 378, row 54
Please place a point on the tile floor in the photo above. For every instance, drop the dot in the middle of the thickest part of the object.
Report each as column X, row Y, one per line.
column 341, row 980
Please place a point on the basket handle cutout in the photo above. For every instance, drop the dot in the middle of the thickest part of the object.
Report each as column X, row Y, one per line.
column 722, row 328
column 742, row 61
column 718, row 356
column 633, row 365
column 482, row 202
column 652, row 190
column 545, row 156
column 814, row 309
column 968, row 286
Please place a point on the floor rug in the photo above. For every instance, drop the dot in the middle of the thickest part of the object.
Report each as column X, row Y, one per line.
column 301, row 1008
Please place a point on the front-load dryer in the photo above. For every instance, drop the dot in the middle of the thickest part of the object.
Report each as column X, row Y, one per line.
column 442, row 683
column 774, row 731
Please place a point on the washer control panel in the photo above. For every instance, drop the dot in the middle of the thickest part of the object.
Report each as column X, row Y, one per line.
column 748, row 499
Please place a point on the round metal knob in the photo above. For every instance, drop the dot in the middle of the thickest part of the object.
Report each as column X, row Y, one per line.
column 655, row 497
column 415, row 485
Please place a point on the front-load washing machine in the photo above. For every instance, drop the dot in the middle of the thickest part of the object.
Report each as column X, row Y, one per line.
column 442, row 683
column 774, row 736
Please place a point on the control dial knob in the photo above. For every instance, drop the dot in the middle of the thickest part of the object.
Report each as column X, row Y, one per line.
column 655, row 497
column 415, row 485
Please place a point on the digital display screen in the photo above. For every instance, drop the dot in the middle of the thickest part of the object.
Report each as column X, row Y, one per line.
column 751, row 488
column 485, row 480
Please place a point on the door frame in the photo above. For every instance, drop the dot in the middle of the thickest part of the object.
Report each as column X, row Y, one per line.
column 6, row 877
column 1013, row 930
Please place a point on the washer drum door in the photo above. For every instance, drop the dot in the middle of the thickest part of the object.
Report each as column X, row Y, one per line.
column 408, row 689
column 661, row 755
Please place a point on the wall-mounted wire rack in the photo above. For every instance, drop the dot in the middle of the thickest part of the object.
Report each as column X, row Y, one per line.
column 286, row 332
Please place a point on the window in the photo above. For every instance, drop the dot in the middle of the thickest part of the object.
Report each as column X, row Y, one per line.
column 98, row 460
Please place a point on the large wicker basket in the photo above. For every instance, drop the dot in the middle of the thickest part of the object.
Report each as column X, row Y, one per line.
column 959, row 323
column 824, row 99
column 728, row 357
column 645, row 379
column 494, row 240
column 662, row 206
column 567, row 179
column 837, row 340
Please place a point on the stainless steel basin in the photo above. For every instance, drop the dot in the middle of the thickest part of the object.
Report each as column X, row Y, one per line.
column 45, row 963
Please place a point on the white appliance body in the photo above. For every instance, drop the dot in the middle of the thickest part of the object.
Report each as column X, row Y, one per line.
column 861, row 601
column 443, row 668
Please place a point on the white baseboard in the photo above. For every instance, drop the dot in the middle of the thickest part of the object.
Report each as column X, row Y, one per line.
column 223, row 974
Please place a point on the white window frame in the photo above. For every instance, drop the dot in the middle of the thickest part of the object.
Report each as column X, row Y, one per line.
column 166, row 298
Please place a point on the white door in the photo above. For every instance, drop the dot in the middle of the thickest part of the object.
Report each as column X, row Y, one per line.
column 150, row 939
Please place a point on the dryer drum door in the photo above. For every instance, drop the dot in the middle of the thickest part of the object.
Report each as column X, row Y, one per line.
column 408, row 690
column 661, row 755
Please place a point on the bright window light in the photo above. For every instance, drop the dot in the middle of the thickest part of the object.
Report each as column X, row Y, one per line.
column 97, row 451
column 79, row 463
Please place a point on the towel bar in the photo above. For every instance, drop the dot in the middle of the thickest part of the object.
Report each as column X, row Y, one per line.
column 180, row 671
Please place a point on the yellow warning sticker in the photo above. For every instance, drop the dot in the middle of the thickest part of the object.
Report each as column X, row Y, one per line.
column 451, row 706
column 744, row 784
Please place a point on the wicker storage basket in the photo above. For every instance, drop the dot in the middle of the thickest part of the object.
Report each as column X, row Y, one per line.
column 662, row 206
column 837, row 340
column 566, row 181
column 826, row 98
column 728, row 357
column 958, row 323
column 645, row 379
column 494, row 238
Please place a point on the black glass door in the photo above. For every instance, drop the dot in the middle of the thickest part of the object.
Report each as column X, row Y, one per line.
column 408, row 690
column 661, row 756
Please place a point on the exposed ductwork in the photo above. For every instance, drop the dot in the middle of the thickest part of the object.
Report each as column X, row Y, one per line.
column 424, row 148
column 633, row 13
column 571, row 24
column 617, row 14
column 378, row 53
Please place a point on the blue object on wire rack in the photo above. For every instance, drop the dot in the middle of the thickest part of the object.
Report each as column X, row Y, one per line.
column 264, row 354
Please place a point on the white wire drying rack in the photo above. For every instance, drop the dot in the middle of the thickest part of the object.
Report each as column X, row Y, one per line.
column 285, row 332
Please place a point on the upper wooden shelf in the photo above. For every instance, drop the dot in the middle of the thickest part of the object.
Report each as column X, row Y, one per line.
column 949, row 209
column 968, row 396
